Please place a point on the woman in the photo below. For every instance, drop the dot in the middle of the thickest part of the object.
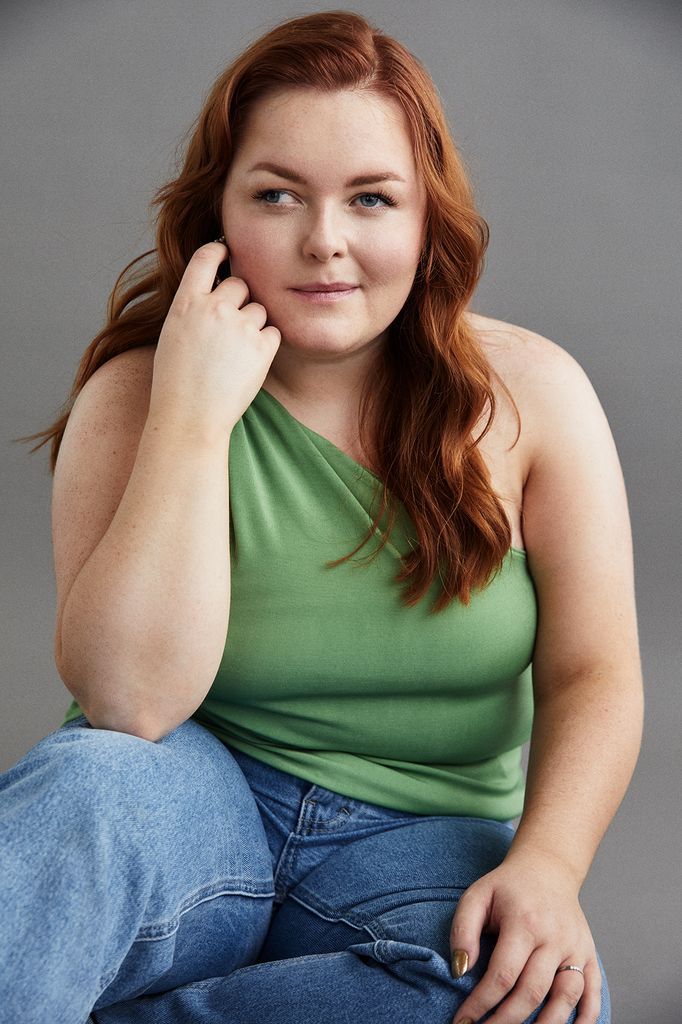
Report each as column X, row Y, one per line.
column 284, row 790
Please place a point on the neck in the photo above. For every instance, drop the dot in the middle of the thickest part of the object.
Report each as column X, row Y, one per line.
column 320, row 382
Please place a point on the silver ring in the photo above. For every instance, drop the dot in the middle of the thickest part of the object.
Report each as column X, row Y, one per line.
column 571, row 967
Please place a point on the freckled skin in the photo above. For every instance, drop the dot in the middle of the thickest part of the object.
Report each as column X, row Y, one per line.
column 324, row 229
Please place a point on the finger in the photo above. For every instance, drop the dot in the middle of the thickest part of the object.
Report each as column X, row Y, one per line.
column 200, row 272
column 257, row 312
column 541, row 981
column 590, row 1004
column 465, row 932
column 510, row 956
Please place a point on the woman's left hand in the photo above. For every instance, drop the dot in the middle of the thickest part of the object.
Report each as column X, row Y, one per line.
column 531, row 903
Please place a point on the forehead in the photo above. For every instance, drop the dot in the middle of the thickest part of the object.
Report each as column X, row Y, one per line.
column 343, row 130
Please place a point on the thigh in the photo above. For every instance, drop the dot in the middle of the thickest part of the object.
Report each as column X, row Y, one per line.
column 131, row 865
column 391, row 897
column 362, row 932
column 399, row 884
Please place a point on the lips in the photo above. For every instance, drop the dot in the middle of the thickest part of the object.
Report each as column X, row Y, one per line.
column 320, row 286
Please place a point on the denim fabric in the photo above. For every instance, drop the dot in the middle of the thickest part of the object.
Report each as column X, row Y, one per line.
column 183, row 881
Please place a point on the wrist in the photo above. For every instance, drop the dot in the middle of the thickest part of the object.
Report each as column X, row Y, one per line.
column 185, row 433
column 543, row 858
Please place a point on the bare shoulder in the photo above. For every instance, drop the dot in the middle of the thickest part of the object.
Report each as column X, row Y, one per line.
column 125, row 377
column 543, row 378
column 521, row 356
column 113, row 402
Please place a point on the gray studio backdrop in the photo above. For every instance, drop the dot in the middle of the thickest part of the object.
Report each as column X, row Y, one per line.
column 568, row 115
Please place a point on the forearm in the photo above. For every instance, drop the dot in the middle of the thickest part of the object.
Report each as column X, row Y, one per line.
column 584, row 746
column 145, row 622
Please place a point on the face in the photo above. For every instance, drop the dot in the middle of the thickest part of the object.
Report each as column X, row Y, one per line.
column 307, row 222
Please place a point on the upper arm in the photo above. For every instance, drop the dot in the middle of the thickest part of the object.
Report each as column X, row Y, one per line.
column 576, row 529
column 95, row 460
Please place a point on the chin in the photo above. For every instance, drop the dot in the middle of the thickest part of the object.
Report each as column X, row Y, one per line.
column 320, row 335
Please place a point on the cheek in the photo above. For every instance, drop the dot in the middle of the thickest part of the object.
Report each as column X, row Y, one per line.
column 260, row 250
column 395, row 256
column 396, row 270
column 248, row 233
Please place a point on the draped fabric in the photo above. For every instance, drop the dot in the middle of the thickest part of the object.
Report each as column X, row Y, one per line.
column 326, row 675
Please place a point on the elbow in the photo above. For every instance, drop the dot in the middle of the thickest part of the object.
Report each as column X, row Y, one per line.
column 118, row 715
column 142, row 730
column 115, row 720
column 126, row 696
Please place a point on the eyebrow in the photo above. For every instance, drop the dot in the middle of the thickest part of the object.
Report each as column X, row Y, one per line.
column 362, row 179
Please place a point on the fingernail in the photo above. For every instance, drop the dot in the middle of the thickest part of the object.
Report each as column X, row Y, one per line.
column 460, row 965
column 467, row 1020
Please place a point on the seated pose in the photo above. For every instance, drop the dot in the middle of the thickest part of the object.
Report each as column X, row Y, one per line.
column 330, row 548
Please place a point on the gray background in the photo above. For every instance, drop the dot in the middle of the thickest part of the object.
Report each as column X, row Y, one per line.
column 568, row 116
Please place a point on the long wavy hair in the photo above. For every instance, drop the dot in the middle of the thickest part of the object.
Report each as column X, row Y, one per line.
column 432, row 381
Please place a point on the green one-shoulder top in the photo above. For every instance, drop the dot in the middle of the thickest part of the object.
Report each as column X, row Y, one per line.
column 327, row 675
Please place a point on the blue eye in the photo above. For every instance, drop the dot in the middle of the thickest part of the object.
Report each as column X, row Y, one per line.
column 384, row 196
column 386, row 199
column 268, row 192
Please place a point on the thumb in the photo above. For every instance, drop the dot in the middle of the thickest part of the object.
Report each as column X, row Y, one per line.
column 465, row 932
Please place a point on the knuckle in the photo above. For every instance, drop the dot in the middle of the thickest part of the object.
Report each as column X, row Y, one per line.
column 205, row 252
column 468, row 896
column 463, row 904
column 570, row 997
column 536, row 992
column 235, row 291
column 222, row 304
column 532, row 923
column 503, row 979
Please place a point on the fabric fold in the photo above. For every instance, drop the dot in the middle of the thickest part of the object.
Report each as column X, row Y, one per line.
column 327, row 675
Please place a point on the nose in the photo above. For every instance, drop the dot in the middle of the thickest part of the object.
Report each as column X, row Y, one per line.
column 324, row 235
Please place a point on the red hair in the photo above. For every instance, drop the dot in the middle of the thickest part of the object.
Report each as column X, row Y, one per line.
column 432, row 382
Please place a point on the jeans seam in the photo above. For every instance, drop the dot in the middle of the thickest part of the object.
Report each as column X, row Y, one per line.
column 164, row 929
column 356, row 920
column 107, row 979
column 324, row 826
column 373, row 928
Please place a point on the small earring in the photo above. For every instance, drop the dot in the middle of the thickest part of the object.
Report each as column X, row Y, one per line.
column 221, row 239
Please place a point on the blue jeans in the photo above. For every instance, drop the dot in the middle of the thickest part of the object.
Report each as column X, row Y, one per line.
column 183, row 881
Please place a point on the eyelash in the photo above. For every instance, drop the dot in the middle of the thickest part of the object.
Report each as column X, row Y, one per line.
column 388, row 199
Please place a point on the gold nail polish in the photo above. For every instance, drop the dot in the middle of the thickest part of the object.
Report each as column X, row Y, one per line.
column 460, row 964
